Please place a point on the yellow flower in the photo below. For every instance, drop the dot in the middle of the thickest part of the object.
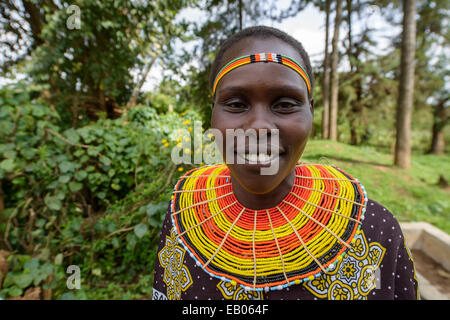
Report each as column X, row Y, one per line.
column 210, row 135
column 319, row 283
column 190, row 129
column 187, row 122
column 340, row 294
column 166, row 145
column 358, row 246
column 179, row 145
column 368, row 280
column 164, row 141
column 349, row 270
column 187, row 139
column 183, row 277
column 187, row 150
column 375, row 255
column 229, row 286
column 179, row 139
column 243, row 296
column 180, row 169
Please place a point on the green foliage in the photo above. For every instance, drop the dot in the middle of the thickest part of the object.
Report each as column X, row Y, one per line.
column 26, row 271
column 85, row 56
column 410, row 195
column 94, row 196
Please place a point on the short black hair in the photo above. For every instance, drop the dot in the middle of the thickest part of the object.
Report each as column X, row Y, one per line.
column 261, row 32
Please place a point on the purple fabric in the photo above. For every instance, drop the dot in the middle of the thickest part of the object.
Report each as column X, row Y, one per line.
column 381, row 268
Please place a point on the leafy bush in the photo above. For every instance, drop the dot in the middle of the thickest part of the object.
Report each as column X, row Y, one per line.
column 26, row 271
column 93, row 196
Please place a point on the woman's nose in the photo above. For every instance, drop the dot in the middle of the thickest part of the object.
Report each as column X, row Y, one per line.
column 260, row 119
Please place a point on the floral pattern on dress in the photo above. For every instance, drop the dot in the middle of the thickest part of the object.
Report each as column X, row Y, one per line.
column 354, row 276
column 176, row 275
column 236, row 292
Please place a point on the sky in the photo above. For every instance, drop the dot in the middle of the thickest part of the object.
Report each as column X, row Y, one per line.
column 311, row 34
column 308, row 27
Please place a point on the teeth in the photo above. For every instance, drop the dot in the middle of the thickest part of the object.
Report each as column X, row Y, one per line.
column 263, row 157
column 253, row 157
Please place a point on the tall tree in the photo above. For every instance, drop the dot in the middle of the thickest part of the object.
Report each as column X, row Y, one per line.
column 21, row 24
column 353, row 52
column 241, row 24
column 441, row 117
column 432, row 68
column 402, row 157
column 224, row 18
column 89, row 66
column 358, row 52
column 326, row 76
column 334, row 75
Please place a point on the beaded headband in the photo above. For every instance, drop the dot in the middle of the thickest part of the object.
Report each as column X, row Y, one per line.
column 263, row 57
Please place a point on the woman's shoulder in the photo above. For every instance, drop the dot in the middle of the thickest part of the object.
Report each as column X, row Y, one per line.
column 209, row 169
column 203, row 173
column 379, row 214
column 381, row 225
column 375, row 208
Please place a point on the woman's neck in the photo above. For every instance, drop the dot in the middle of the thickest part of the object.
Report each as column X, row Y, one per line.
column 266, row 200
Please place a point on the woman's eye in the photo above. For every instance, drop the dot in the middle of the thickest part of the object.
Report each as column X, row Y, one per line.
column 285, row 106
column 235, row 106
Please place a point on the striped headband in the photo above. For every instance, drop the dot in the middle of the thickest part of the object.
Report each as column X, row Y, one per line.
column 263, row 57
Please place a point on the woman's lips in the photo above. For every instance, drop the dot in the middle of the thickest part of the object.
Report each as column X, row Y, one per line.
column 253, row 158
column 264, row 157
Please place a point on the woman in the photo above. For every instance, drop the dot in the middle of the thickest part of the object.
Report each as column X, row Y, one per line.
column 298, row 232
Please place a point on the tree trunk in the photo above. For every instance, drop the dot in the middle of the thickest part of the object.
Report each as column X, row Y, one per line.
column 326, row 78
column 440, row 119
column 2, row 202
column 402, row 157
column 349, row 34
column 353, row 52
column 133, row 100
column 437, row 141
column 34, row 18
column 334, row 75
column 101, row 99
column 240, row 15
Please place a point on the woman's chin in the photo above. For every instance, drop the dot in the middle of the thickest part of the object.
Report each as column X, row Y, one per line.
column 258, row 189
column 259, row 178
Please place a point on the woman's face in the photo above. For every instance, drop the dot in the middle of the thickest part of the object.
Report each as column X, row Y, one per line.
column 263, row 97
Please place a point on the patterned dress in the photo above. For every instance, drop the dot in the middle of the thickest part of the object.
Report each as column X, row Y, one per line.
column 377, row 264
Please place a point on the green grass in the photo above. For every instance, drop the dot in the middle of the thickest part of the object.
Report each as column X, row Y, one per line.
column 411, row 195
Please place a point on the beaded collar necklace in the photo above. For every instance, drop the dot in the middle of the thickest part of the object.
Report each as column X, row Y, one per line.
column 301, row 238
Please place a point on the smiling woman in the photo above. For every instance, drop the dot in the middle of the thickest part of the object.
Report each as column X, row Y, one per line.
column 264, row 96
column 299, row 232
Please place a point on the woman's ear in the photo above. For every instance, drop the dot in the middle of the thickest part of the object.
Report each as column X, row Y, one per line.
column 311, row 103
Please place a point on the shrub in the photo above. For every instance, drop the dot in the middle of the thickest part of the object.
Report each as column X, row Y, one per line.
column 93, row 197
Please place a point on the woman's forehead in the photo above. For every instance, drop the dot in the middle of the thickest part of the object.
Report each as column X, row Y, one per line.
column 252, row 45
column 256, row 74
column 272, row 78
